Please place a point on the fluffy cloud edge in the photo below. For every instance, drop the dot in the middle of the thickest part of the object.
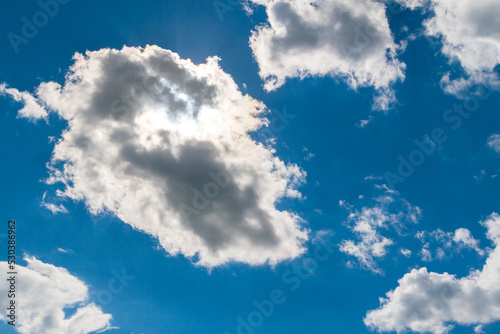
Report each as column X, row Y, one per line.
column 152, row 109
column 431, row 302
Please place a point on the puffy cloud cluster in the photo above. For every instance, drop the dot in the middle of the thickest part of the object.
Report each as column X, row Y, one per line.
column 470, row 34
column 43, row 292
column 348, row 39
column 431, row 302
column 165, row 145
column 463, row 238
column 367, row 224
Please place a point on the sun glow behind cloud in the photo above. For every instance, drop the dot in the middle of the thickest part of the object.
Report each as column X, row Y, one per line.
column 164, row 144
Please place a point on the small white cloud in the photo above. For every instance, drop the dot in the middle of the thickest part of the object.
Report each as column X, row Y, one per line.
column 494, row 142
column 363, row 123
column 386, row 189
column 426, row 253
column 248, row 7
column 481, row 175
column 373, row 178
column 440, row 254
column 367, row 224
column 55, row 209
column 405, row 252
column 479, row 329
column 431, row 302
column 31, row 110
column 309, row 156
column 44, row 292
column 412, row 4
column 463, row 237
column 345, row 205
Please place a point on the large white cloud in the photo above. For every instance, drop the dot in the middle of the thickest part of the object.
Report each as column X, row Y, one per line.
column 349, row 39
column 43, row 292
column 432, row 302
column 470, row 34
column 164, row 144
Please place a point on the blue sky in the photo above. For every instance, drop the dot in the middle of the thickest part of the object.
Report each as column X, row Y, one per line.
column 342, row 161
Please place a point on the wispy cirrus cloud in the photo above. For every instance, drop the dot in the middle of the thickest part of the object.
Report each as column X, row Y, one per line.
column 31, row 110
column 494, row 142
